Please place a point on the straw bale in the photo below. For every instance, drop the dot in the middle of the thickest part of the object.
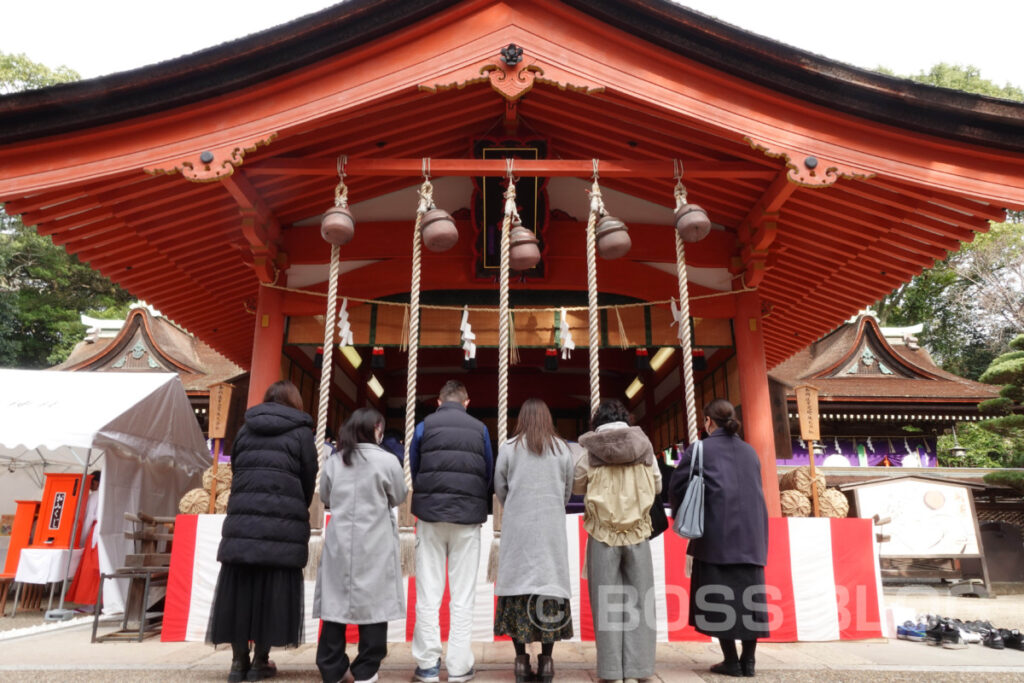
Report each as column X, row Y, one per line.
column 795, row 504
column 195, row 502
column 799, row 479
column 222, row 501
column 223, row 478
column 833, row 503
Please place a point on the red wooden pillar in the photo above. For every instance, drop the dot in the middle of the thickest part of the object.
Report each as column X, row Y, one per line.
column 753, row 376
column 266, row 344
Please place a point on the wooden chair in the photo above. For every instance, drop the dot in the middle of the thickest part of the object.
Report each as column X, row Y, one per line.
column 147, row 567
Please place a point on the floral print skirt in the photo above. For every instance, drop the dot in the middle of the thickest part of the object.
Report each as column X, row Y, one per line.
column 533, row 618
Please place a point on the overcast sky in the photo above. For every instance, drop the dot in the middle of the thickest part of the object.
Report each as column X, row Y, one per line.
column 97, row 37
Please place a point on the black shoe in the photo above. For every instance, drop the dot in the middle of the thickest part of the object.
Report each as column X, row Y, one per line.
column 933, row 635
column 993, row 639
column 1012, row 639
column 239, row 670
column 261, row 668
column 727, row 669
column 747, row 667
column 951, row 639
column 545, row 669
column 523, row 672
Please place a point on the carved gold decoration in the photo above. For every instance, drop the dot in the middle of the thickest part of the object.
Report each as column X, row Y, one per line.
column 809, row 170
column 511, row 82
column 211, row 165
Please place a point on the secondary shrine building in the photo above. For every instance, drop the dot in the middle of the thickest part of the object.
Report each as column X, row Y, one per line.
column 199, row 183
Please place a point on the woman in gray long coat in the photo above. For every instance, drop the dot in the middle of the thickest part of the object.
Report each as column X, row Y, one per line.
column 360, row 575
column 533, row 480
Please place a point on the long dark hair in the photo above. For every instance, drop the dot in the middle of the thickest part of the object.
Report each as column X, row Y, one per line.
column 609, row 410
column 360, row 428
column 285, row 393
column 723, row 414
column 535, row 427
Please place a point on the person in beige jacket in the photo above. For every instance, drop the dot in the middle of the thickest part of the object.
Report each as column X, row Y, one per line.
column 619, row 479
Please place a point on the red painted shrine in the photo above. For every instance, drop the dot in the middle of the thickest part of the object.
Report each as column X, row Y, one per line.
column 198, row 185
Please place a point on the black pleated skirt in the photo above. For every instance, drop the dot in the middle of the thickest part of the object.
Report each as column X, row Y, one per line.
column 262, row 604
column 728, row 600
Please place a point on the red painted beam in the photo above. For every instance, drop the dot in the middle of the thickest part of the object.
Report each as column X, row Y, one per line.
column 549, row 168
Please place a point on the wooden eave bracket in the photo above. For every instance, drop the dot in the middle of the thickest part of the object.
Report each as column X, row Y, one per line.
column 808, row 169
column 260, row 228
column 210, row 165
column 760, row 227
column 511, row 82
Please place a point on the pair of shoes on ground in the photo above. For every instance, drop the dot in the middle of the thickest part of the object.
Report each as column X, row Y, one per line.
column 741, row 667
column 349, row 678
column 433, row 675
column 524, row 672
column 242, row 670
column 621, row 680
column 945, row 634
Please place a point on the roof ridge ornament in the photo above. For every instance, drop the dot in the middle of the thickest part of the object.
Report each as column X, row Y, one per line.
column 512, row 74
column 808, row 170
column 511, row 54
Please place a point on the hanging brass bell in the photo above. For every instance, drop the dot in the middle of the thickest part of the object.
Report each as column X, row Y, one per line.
column 612, row 238
column 338, row 226
column 524, row 248
column 438, row 230
column 692, row 223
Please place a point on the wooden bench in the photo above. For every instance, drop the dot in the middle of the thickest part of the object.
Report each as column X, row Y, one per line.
column 147, row 567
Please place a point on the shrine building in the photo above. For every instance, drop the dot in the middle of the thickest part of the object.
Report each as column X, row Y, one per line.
column 198, row 184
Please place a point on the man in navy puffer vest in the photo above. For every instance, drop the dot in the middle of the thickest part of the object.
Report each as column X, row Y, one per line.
column 452, row 464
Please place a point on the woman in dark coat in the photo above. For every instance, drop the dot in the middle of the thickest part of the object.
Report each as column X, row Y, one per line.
column 265, row 538
column 727, row 591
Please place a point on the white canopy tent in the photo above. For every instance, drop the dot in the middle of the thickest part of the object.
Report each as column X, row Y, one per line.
column 137, row 427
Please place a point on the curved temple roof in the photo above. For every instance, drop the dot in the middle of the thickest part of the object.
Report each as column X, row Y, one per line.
column 832, row 185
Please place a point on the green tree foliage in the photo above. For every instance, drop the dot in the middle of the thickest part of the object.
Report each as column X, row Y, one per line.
column 966, row 78
column 18, row 72
column 983, row 448
column 44, row 290
column 1013, row 480
column 999, row 440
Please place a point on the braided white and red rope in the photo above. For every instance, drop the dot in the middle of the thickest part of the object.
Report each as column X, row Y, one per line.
column 593, row 321
column 685, row 340
column 503, row 327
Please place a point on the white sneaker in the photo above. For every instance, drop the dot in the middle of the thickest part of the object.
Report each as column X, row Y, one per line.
column 463, row 678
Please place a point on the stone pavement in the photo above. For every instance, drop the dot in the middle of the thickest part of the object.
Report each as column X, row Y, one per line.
column 65, row 654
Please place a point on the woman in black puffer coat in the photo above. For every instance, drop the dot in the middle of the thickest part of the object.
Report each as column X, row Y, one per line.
column 265, row 538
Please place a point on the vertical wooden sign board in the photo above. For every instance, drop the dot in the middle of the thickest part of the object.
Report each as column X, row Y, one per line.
column 807, row 411
column 220, row 405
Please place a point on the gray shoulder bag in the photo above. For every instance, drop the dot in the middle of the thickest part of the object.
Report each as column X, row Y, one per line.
column 689, row 521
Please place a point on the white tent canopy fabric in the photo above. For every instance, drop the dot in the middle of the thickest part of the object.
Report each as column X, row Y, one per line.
column 140, row 424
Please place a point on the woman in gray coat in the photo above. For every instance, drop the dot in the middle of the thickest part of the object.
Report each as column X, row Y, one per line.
column 533, row 480
column 360, row 576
